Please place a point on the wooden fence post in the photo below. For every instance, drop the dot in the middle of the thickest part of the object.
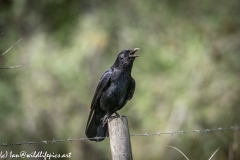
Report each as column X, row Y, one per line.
column 119, row 138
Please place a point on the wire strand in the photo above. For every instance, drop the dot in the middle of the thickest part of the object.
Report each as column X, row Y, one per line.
column 133, row 135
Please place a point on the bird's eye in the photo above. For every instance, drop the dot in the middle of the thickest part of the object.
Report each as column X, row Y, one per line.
column 121, row 55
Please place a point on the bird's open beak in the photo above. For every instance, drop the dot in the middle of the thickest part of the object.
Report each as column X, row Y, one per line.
column 132, row 53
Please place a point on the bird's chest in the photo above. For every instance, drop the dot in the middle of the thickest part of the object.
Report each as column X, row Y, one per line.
column 119, row 85
column 117, row 91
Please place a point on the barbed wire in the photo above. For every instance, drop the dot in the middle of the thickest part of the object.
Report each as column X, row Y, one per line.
column 234, row 128
column 189, row 131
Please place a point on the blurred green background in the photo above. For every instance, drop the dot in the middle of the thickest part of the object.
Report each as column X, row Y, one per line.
column 186, row 78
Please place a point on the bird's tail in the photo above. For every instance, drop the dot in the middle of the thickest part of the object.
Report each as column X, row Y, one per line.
column 95, row 127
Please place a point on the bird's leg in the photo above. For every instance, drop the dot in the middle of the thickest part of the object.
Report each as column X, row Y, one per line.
column 105, row 118
column 117, row 115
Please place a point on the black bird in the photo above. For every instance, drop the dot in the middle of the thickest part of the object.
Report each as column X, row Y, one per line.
column 114, row 89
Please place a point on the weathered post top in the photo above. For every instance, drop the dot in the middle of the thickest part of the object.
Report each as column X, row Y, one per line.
column 119, row 138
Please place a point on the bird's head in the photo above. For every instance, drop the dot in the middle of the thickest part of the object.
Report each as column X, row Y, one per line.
column 128, row 54
column 126, row 57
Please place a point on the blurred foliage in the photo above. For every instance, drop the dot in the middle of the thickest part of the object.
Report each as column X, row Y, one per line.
column 187, row 76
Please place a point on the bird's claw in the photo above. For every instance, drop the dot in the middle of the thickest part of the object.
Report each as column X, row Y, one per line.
column 104, row 120
column 117, row 115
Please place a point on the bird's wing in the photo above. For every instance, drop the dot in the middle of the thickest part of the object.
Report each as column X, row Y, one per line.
column 102, row 85
column 130, row 92
column 92, row 128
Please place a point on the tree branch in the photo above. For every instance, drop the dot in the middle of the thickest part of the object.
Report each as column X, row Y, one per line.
column 12, row 67
column 10, row 48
